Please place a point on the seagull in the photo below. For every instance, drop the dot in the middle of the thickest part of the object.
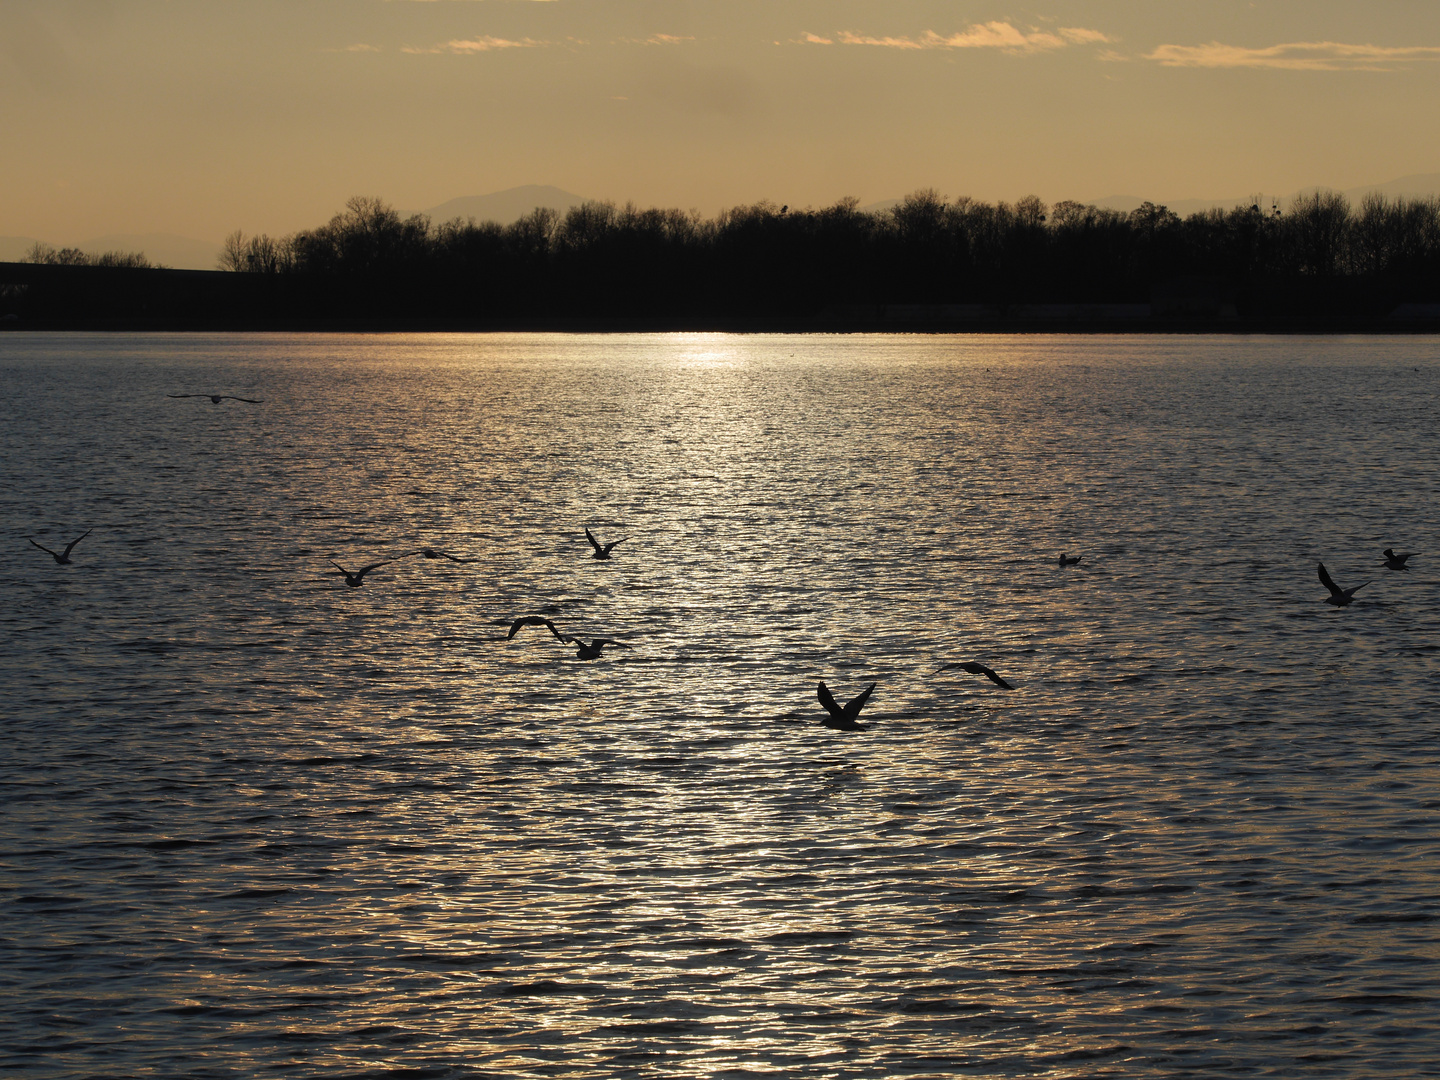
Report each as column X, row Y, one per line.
column 63, row 560
column 976, row 669
column 431, row 553
column 217, row 398
column 357, row 579
column 591, row 651
column 1066, row 560
column 602, row 551
column 1397, row 562
column 1338, row 596
column 844, row 719
column 536, row 620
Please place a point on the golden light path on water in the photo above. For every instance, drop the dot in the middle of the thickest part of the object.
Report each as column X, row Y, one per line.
column 257, row 821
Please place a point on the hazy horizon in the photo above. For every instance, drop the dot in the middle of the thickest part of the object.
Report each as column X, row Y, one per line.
column 143, row 118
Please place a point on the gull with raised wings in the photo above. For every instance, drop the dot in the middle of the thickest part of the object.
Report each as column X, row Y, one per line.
column 1396, row 561
column 602, row 551
column 845, row 719
column 63, row 558
column 1338, row 596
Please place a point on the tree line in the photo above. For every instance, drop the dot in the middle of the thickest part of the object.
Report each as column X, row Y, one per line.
column 599, row 260
column 46, row 255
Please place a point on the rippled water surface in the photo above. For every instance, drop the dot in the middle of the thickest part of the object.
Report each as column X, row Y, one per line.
column 255, row 822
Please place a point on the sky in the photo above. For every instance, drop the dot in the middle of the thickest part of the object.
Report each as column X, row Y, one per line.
column 197, row 118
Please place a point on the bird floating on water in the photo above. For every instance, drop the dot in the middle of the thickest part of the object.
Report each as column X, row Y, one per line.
column 535, row 620
column 602, row 551
column 62, row 558
column 431, row 553
column 1394, row 561
column 845, row 719
column 1066, row 560
column 975, row 669
column 217, row 398
column 357, row 579
column 1338, row 596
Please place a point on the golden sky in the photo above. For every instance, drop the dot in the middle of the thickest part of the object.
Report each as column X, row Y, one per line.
column 198, row 117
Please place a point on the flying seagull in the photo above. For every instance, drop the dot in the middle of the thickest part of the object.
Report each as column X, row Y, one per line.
column 976, row 669
column 591, row 651
column 535, row 620
column 357, row 579
column 1397, row 562
column 602, row 551
column 431, row 553
column 844, row 719
column 63, row 560
column 1066, row 560
column 1338, row 596
column 217, row 398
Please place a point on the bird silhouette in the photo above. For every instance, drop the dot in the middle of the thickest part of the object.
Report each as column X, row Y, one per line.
column 602, row 551
column 844, row 719
column 591, row 651
column 357, row 579
column 975, row 669
column 431, row 553
column 1338, row 596
column 535, row 620
column 63, row 559
column 1395, row 561
column 217, row 398
column 1066, row 560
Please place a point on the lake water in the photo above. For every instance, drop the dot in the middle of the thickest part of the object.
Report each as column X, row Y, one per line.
column 255, row 822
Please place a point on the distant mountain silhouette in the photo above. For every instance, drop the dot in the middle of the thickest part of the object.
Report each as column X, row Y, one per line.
column 505, row 206
column 1412, row 185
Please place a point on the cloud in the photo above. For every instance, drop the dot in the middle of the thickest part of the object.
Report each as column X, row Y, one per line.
column 657, row 39
column 1294, row 56
column 485, row 43
column 991, row 35
column 360, row 48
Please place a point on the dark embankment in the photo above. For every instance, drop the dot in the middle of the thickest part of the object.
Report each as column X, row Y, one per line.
column 927, row 264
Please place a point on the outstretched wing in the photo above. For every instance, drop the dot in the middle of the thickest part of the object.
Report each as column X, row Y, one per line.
column 187, row 395
column 70, row 546
column 43, row 548
column 248, row 400
column 526, row 620
column 1335, row 590
column 855, row 704
column 366, row 569
column 593, row 542
column 997, row 680
column 614, row 542
column 563, row 639
column 606, row 641
column 827, row 699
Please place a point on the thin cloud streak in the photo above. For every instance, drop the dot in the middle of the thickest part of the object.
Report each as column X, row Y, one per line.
column 991, row 35
column 657, row 39
column 1294, row 56
column 476, row 45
